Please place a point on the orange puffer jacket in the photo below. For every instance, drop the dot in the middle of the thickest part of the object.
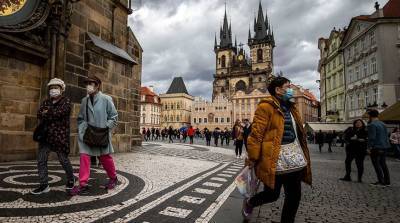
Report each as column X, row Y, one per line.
column 264, row 142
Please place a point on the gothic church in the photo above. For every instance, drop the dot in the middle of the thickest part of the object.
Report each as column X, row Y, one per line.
column 235, row 71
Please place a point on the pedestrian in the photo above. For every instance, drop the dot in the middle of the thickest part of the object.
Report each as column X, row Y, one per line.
column 320, row 139
column 216, row 135
column 52, row 134
column 278, row 135
column 144, row 134
column 378, row 142
column 97, row 110
column 148, row 134
column 222, row 137
column 157, row 134
column 227, row 136
column 207, row 135
column 190, row 133
column 246, row 131
column 329, row 140
column 356, row 148
column 334, row 138
column 153, row 133
column 395, row 140
column 171, row 132
column 238, row 138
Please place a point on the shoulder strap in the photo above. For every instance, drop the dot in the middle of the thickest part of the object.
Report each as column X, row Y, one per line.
column 87, row 107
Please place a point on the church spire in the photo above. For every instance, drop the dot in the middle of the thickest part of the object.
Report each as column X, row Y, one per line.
column 261, row 28
column 226, row 32
column 215, row 42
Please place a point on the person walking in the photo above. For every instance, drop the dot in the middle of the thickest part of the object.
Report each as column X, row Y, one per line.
column 246, row 131
column 277, row 135
column 395, row 140
column 378, row 142
column 144, row 134
column 190, row 133
column 52, row 134
column 157, row 134
column 216, row 135
column 238, row 138
column 153, row 133
column 356, row 148
column 319, row 137
column 97, row 111
column 329, row 140
column 148, row 134
column 171, row 133
column 207, row 135
column 227, row 136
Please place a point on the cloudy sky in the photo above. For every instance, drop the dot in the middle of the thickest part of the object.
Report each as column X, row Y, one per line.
column 177, row 36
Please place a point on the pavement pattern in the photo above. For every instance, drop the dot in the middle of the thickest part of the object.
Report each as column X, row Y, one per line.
column 162, row 182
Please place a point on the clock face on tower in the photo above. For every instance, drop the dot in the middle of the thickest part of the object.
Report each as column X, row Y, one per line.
column 240, row 57
column 9, row 7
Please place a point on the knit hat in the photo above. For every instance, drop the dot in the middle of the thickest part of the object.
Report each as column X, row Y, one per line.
column 58, row 82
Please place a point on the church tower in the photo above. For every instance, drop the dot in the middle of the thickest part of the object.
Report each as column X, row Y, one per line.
column 225, row 54
column 262, row 43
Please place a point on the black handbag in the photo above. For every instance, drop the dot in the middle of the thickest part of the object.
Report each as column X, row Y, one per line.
column 95, row 136
column 40, row 133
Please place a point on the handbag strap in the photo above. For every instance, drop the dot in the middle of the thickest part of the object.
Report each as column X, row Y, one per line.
column 87, row 107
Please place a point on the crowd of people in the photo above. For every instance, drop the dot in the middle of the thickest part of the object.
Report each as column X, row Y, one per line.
column 238, row 134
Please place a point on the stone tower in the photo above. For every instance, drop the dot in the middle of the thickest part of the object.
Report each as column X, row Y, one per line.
column 235, row 71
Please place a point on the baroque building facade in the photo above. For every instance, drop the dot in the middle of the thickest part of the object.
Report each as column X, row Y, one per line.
column 371, row 48
column 206, row 114
column 69, row 40
column 331, row 69
column 176, row 105
column 150, row 107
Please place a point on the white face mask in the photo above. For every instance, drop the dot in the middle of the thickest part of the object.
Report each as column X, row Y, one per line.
column 90, row 89
column 55, row 93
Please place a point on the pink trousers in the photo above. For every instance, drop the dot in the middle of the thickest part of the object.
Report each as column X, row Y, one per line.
column 84, row 170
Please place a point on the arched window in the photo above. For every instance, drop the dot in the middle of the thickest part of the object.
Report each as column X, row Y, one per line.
column 240, row 86
column 259, row 55
column 223, row 61
column 222, row 90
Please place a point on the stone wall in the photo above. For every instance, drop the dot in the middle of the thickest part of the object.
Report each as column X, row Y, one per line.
column 23, row 84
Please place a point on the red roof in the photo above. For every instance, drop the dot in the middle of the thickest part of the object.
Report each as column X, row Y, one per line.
column 147, row 91
column 149, row 95
column 392, row 8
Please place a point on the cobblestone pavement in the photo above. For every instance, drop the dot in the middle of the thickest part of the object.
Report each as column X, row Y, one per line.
column 163, row 182
column 159, row 182
column 329, row 199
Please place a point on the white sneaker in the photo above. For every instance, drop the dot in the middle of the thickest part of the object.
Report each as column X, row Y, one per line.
column 237, row 157
column 240, row 157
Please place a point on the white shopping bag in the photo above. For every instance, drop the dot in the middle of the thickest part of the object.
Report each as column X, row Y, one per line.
column 247, row 182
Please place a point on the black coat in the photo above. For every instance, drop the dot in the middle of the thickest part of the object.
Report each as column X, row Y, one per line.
column 57, row 119
column 359, row 144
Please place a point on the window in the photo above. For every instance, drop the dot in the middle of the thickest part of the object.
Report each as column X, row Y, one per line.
column 350, row 77
column 375, row 96
column 351, row 101
column 259, row 55
column 216, row 120
column 366, row 98
column 199, row 120
column 194, row 120
column 228, row 120
column 357, row 75
column 365, row 70
column 374, row 68
column 205, row 120
column 222, row 120
column 356, row 48
column 223, row 61
column 334, row 82
column 372, row 38
column 177, row 118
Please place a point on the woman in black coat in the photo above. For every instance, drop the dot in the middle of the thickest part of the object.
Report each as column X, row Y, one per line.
column 356, row 148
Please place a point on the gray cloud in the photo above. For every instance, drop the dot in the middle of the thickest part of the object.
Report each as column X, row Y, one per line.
column 178, row 36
